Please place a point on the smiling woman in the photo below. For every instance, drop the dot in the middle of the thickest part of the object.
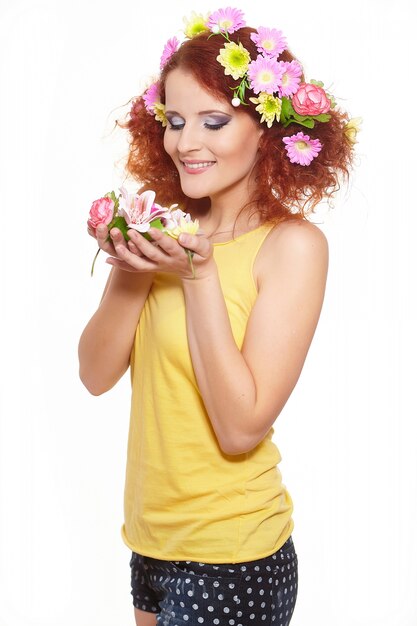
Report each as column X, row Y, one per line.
column 207, row 136
column 233, row 133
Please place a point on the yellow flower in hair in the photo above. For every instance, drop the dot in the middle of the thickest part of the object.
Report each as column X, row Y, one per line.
column 235, row 59
column 196, row 24
column 352, row 128
column 269, row 106
column 159, row 110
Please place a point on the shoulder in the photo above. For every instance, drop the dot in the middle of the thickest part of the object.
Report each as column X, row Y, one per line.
column 289, row 245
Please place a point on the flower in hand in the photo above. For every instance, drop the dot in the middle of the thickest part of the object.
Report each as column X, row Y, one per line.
column 101, row 211
column 128, row 210
column 177, row 222
column 140, row 212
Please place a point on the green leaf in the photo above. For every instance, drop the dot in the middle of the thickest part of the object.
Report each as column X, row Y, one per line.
column 323, row 117
column 154, row 224
column 291, row 117
column 157, row 224
column 112, row 196
column 319, row 83
column 308, row 123
column 120, row 223
column 285, row 112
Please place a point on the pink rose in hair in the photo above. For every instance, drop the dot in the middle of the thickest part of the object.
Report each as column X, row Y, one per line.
column 101, row 212
column 310, row 100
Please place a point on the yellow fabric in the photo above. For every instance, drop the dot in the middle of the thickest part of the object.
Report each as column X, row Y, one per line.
column 184, row 498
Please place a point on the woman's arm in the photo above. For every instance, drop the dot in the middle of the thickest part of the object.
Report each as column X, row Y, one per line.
column 244, row 391
column 106, row 342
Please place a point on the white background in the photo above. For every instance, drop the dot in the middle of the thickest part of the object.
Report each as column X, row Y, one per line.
column 347, row 434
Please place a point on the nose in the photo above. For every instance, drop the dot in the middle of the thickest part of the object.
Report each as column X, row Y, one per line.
column 189, row 139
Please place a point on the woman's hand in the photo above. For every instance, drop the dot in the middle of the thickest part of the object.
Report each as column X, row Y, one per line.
column 101, row 234
column 163, row 254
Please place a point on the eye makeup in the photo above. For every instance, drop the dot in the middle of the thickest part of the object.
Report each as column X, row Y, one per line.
column 212, row 121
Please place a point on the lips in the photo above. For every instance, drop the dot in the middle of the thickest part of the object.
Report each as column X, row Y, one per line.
column 196, row 167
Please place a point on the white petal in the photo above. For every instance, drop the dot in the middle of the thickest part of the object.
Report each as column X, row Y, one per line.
column 146, row 200
column 141, row 228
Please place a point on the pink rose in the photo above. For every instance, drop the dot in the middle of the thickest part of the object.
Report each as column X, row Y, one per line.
column 101, row 212
column 310, row 100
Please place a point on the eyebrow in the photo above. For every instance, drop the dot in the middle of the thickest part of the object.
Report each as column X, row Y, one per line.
column 200, row 112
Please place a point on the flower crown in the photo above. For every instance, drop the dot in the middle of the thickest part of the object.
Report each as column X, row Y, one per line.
column 281, row 96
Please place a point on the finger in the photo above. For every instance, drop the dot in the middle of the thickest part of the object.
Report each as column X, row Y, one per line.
column 101, row 235
column 134, row 249
column 101, row 231
column 117, row 237
column 137, row 265
column 120, row 264
column 139, row 262
column 197, row 243
column 163, row 240
column 149, row 249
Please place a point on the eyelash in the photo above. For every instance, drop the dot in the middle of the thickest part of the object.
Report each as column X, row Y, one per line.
column 209, row 126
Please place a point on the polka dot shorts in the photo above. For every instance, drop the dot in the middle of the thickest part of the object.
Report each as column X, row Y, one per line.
column 187, row 593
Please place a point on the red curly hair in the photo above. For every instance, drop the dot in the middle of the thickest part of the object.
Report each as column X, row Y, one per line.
column 284, row 190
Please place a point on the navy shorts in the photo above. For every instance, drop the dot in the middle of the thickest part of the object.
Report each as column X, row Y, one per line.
column 187, row 593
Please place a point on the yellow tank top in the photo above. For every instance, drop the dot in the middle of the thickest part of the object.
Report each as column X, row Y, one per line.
column 184, row 498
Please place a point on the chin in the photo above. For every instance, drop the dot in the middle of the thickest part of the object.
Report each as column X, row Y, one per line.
column 194, row 195
column 194, row 191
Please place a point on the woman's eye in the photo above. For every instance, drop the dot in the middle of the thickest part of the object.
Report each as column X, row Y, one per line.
column 173, row 126
column 215, row 126
column 176, row 122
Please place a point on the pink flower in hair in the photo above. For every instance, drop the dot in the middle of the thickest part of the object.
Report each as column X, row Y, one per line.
column 265, row 74
column 170, row 48
column 291, row 77
column 151, row 96
column 301, row 149
column 226, row 20
column 269, row 41
column 311, row 99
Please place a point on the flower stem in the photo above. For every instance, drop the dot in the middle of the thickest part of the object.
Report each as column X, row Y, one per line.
column 92, row 267
column 190, row 254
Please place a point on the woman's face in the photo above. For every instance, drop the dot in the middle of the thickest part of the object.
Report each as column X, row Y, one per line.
column 213, row 145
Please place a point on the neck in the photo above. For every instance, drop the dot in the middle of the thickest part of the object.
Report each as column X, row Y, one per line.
column 218, row 216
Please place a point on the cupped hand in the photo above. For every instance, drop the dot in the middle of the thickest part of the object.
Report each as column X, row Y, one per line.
column 101, row 233
column 162, row 254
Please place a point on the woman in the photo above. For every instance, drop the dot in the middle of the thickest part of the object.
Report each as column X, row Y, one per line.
column 215, row 356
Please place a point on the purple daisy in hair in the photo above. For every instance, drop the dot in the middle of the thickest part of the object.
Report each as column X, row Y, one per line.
column 226, row 20
column 265, row 74
column 170, row 47
column 301, row 149
column 269, row 41
column 151, row 96
column 291, row 77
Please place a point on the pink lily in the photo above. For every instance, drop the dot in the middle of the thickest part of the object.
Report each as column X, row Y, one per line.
column 140, row 210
